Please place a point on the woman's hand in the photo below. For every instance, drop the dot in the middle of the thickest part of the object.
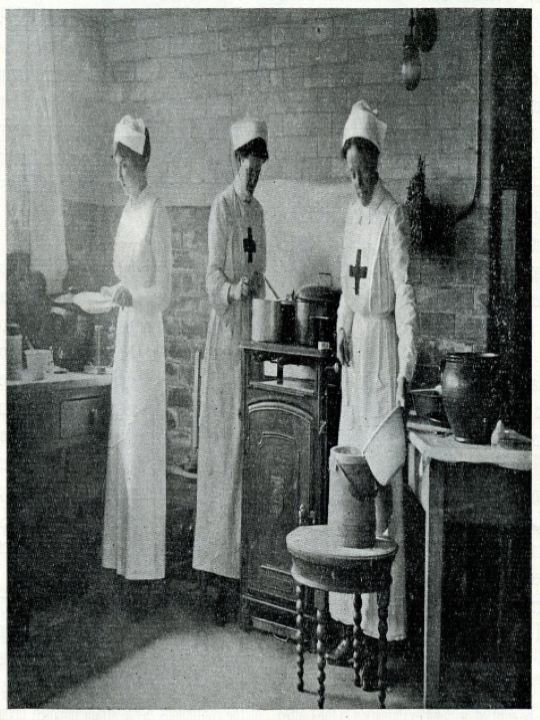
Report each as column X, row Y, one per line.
column 401, row 391
column 256, row 283
column 240, row 290
column 123, row 297
column 344, row 349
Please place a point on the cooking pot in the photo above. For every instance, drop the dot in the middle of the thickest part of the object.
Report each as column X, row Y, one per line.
column 72, row 336
column 265, row 320
column 312, row 302
column 428, row 403
column 288, row 330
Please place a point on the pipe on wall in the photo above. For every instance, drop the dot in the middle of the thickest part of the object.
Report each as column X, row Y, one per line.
column 465, row 212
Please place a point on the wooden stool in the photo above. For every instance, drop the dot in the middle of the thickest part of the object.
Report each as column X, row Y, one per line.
column 319, row 562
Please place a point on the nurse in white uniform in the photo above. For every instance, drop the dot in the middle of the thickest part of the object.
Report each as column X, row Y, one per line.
column 376, row 330
column 134, row 523
column 235, row 274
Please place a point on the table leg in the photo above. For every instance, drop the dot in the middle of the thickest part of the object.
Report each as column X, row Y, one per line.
column 357, row 638
column 411, row 467
column 300, row 637
column 383, row 600
column 434, row 547
column 321, row 652
column 504, row 571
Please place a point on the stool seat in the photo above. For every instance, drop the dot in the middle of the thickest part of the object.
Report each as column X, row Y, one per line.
column 320, row 543
column 321, row 562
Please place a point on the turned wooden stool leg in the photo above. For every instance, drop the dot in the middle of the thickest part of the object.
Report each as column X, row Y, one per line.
column 383, row 599
column 357, row 638
column 321, row 652
column 300, row 637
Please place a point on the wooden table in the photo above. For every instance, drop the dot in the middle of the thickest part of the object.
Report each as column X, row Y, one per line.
column 321, row 563
column 476, row 483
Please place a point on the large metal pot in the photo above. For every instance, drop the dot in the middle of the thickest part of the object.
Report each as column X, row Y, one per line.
column 312, row 302
column 265, row 320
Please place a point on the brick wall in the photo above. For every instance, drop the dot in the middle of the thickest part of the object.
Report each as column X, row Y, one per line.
column 302, row 70
column 185, row 323
column 189, row 73
column 82, row 101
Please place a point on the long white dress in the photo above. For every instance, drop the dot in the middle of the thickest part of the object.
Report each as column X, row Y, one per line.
column 219, row 482
column 381, row 319
column 135, row 499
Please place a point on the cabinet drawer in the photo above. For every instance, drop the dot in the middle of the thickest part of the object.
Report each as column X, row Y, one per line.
column 80, row 417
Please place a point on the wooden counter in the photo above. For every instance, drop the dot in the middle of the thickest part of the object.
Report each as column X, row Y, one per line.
column 57, row 446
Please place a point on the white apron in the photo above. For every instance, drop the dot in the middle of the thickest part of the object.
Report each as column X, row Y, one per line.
column 381, row 320
column 135, row 499
column 219, row 482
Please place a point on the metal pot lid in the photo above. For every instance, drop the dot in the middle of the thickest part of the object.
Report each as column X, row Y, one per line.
column 318, row 293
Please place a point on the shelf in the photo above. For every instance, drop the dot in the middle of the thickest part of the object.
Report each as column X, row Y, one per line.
column 289, row 386
column 291, row 353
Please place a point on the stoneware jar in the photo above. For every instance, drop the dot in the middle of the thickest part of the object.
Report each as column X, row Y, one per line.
column 471, row 394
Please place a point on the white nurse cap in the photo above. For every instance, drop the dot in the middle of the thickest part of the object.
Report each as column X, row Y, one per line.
column 364, row 123
column 130, row 132
column 246, row 130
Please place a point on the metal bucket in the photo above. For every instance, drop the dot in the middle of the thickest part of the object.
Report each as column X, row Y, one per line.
column 351, row 502
column 265, row 320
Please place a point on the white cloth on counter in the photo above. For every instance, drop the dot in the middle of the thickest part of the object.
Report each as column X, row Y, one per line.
column 219, row 482
column 135, row 499
column 381, row 321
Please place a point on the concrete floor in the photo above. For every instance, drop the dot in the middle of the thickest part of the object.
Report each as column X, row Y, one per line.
column 94, row 656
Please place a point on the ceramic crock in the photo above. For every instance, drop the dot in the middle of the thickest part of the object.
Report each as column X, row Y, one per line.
column 471, row 394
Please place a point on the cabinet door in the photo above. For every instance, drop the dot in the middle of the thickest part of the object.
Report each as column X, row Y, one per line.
column 55, row 506
column 276, row 480
column 82, row 493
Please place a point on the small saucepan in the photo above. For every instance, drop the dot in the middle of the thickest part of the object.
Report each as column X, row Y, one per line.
column 265, row 320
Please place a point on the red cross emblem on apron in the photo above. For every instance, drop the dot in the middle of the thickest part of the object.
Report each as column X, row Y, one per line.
column 357, row 271
column 249, row 245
